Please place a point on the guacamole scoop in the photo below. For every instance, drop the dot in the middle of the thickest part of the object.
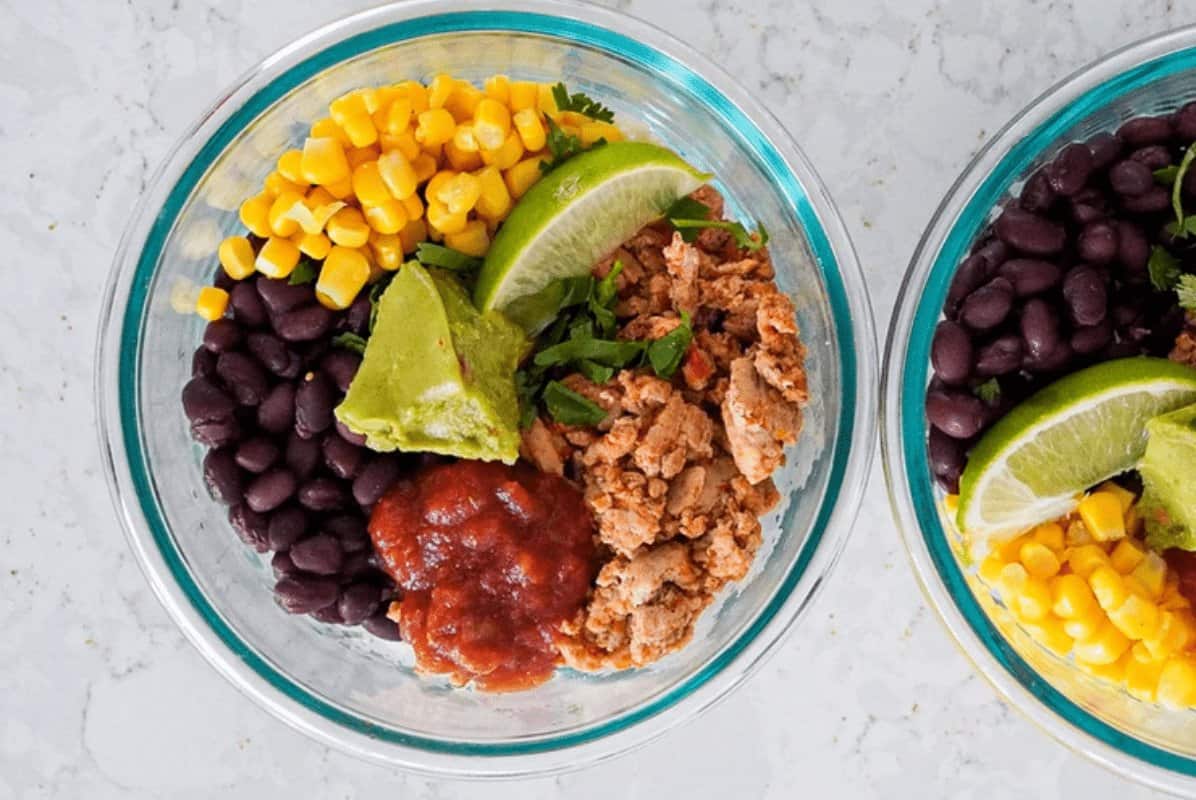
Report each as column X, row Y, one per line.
column 1168, row 473
column 437, row 375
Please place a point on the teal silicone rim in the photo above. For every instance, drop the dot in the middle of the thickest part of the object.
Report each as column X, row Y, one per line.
column 682, row 78
column 915, row 376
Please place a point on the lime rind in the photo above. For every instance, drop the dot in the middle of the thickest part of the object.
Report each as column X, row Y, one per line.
column 1083, row 429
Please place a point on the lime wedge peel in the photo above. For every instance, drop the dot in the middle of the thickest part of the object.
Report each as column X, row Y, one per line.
column 577, row 214
column 1032, row 466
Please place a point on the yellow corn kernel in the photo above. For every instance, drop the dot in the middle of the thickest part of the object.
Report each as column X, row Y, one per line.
column 1010, row 582
column 389, row 217
column 524, row 94
column 1124, row 496
column 522, row 176
column 464, row 139
column 1105, row 647
column 530, row 128
column 387, row 249
column 1076, row 534
column 435, row 126
column 1141, row 653
column 1170, row 636
column 1049, row 534
column 313, row 245
column 290, row 167
column 442, row 220
column 342, row 189
column 545, row 101
column 317, row 197
column 368, row 185
column 211, row 303
column 414, row 206
column 440, row 89
column 436, row 151
column 404, row 142
column 425, row 167
column 1085, row 627
column 348, row 228
column 1071, row 596
column 950, row 502
column 1113, row 672
column 1177, row 683
column 473, row 240
column 359, row 155
column 351, row 104
column 236, row 257
column 437, row 183
column 275, row 184
column 1102, row 515
column 277, row 258
column 416, row 92
column 415, row 232
column 507, row 155
column 591, row 132
column 324, row 161
column 494, row 201
column 1136, row 618
column 1038, row 559
column 1050, row 634
column 491, row 123
column 498, row 87
column 398, row 174
column 1011, row 550
column 327, row 128
column 1108, row 587
column 461, row 193
column 360, row 130
column 1126, row 556
column 386, row 96
column 280, row 224
column 461, row 160
column 255, row 214
column 1142, row 679
column 398, row 116
column 342, row 276
column 1151, row 572
column 464, row 100
column 1085, row 558
column 1033, row 601
column 990, row 569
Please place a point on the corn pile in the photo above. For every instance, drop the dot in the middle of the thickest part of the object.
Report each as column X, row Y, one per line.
column 394, row 166
column 1086, row 586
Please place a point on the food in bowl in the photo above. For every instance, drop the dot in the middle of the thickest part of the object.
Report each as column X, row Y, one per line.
column 487, row 377
column 1059, row 430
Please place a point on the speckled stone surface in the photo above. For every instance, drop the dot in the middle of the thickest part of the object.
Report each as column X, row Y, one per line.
column 101, row 697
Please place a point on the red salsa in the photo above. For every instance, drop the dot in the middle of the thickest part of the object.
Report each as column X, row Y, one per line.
column 491, row 559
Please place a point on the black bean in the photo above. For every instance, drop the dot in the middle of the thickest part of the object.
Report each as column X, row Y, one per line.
column 1086, row 296
column 204, row 401
column 303, row 455
column 1037, row 196
column 282, row 566
column 1097, row 243
column 357, row 318
column 249, row 526
column 1030, row 233
column 257, row 455
column 203, row 363
column 1156, row 156
column 375, row 478
column 329, row 614
column 999, row 357
column 274, row 354
column 994, row 252
column 343, row 458
column 302, row 594
column 287, row 526
column 1133, row 249
column 349, row 530
column 322, row 494
column 1130, row 178
column 1185, row 123
column 1141, row 131
column 319, row 554
column 277, row 411
column 314, row 400
column 958, row 414
column 988, row 306
column 270, row 490
column 340, row 366
column 222, row 335
column 303, row 324
column 1030, row 275
column 358, row 564
column 1156, row 198
column 1054, row 361
column 244, row 377
column 216, row 432
column 1069, row 171
column 222, row 476
column 358, row 601
column 222, row 280
column 280, row 296
column 1092, row 338
column 349, row 436
column 383, row 627
column 947, row 457
column 1122, row 348
column 1086, row 213
column 970, row 276
column 247, row 305
column 1040, row 328
column 1105, row 148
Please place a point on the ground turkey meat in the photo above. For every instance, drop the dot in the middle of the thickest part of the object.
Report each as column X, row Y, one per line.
column 1185, row 345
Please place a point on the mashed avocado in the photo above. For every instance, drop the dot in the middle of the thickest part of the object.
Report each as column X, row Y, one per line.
column 1168, row 472
column 438, row 375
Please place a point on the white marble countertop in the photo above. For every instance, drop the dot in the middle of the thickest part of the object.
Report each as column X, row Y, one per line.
column 100, row 696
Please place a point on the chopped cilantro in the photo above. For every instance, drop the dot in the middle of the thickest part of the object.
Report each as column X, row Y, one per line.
column 665, row 353
column 570, row 408
column 1186, row 289
column 989, row 391
column 304, row 272
column 1164, row 268
column 349, row 341
column 580, row 103
column 435, row 255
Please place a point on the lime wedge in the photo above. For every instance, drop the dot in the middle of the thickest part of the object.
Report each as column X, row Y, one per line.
column 577, row 214
column 1075, row 433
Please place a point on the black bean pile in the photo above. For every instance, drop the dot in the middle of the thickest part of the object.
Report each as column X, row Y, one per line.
column 297, row 482
column 1059, row 281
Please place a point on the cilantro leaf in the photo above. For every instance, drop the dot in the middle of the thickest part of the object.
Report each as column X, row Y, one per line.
column 1186, row 289
column 581, row 103
column 1163, row 267
column 688, row 208
column 1165, row 176
column 304, row 272
column 1177, row 203
column 989, row 391
column 598, row 373
column 349, row 341
column 608, row 352
column 529, row 385
column 435, row 255
column 561, row 145
column 743, row 239
column 665, row 353
column 570, row 408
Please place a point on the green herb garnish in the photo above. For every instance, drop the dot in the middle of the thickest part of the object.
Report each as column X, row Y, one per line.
column 597, row 373
column 690, row 216
column 583, row 346
column 665, row 353
column 1186, row 289
column 350, row 341
column 570, row 408
column 1164, row 268
column 435, row 255
column 690, row 209
column 989, row 391
column 1165, row 176
column 304, row 272
column 582, row 104
column 561, row 145
column 1183, row 225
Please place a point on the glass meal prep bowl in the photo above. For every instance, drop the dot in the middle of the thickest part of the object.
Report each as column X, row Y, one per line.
column 1142, row 740
column 340, row 685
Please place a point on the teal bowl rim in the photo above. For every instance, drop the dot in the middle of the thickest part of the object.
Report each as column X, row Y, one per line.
column 620, row 46
column 915, row 374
